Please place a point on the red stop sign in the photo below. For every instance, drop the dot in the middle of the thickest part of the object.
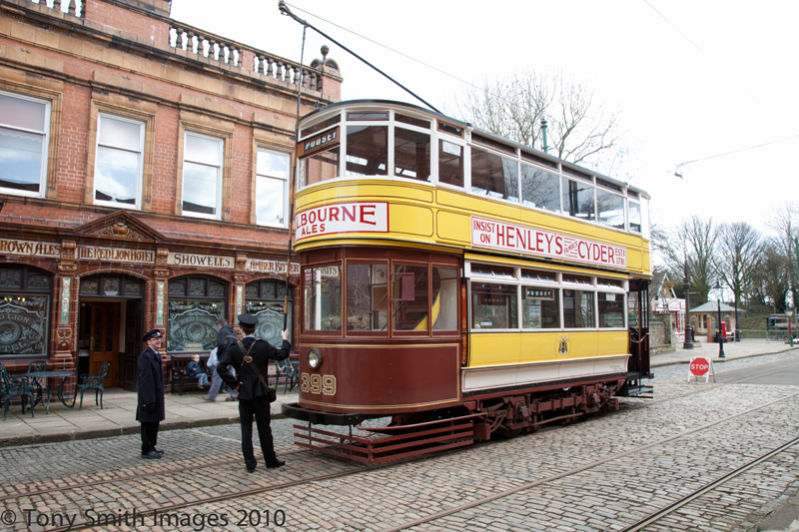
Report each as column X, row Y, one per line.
column 699, row 366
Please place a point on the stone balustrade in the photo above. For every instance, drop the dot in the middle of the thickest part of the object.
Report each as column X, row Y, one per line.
column 226, row 53
column 71, row 7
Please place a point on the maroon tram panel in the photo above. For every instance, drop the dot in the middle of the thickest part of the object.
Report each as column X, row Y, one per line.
column 381, row 379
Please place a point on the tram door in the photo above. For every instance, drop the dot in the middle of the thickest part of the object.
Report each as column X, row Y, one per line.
column 101, row 329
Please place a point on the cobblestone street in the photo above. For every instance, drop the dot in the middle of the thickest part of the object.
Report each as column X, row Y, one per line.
column 604, row 473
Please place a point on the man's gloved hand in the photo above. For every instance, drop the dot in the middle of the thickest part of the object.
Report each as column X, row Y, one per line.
column 149, row 407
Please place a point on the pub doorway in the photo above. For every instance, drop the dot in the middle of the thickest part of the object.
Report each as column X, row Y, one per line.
column 109, row 327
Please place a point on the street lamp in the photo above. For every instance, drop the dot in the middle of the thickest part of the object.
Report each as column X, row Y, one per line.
column 718, row 302
column 687, row 344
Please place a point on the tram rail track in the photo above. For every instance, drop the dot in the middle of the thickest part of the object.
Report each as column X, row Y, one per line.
column 654, row 517
column 359, row 468
column 615, row 457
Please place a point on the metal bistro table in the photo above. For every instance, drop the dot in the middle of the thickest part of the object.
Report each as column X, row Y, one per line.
column 40, row 378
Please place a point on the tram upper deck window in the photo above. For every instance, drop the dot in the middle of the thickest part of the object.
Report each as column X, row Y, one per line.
column 321, row 166
column 578, row 199
column 610, row 208
column 319, row 126
column 634, row 213
column 367, row 296
column 367, row 150
column 450, row 163
column 322, row 298
column 411, row 154
column 540, row 188
column 494, row 176
column 493, row 306
column 412, row 120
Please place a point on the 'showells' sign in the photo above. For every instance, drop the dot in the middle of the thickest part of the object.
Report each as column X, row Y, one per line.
column 538, row 242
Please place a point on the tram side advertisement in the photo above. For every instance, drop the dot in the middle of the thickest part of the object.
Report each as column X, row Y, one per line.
column 515, row 238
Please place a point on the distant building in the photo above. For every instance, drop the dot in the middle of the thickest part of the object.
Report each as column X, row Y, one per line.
column 705, row 319
column 144, row 183
column 664, row 303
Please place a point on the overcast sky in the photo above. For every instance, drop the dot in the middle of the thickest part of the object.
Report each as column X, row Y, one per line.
column 690, row 79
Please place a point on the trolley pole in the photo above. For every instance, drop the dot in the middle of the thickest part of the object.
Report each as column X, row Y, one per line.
column 687, row 343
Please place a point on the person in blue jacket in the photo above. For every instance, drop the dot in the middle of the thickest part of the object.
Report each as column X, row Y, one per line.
column 150, row 387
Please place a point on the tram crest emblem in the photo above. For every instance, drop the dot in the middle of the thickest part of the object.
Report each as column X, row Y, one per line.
column 563, row 345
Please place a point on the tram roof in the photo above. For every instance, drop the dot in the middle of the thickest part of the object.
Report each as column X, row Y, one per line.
column 493, row 136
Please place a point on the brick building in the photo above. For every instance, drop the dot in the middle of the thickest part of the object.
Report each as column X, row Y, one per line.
column 144, row 181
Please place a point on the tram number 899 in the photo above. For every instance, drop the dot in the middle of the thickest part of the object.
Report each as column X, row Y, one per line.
column 318, row 384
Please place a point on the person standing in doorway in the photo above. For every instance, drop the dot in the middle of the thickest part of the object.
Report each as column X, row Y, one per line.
column 150, row 386
column 250, row 359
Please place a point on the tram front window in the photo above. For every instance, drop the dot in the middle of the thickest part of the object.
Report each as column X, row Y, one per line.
column 322, row 298
column 409, row 297
column 367, row 150
column 450, row 163
column 367, row 297
column 319, row 167
column 411, row 154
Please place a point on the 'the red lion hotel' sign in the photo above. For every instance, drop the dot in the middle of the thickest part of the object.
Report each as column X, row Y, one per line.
column 537, row 242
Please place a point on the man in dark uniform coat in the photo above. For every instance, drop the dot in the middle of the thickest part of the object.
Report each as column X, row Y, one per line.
column 253, row 396
column 150, row 385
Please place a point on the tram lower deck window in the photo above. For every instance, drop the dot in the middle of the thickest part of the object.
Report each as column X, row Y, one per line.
column 493, row 306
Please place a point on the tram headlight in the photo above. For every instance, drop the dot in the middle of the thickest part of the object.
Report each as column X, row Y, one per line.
column 314, row 358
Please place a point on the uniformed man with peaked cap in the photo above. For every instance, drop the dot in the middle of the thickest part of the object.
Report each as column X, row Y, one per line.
column 150, row 386
column 250, row 359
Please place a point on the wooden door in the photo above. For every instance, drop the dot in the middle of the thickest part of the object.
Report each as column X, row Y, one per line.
column 104, row 340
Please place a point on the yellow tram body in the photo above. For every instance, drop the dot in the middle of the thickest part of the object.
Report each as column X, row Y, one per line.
column 518, row 302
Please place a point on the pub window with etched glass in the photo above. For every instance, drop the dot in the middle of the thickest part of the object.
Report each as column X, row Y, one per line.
column 24, row 132
column 202, row 176
column 25, row 297
column 266, row 300
column 118, row 164
column 195, row 303
column 271, row 188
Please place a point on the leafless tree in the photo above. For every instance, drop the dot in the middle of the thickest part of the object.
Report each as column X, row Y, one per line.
column 691, row 245
column 786, row 222
column 770, row 283
column 740, row 256
column 579, row 131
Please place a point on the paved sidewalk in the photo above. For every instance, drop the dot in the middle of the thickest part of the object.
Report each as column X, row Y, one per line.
column 189, row 410
column 118, row 416
column 732, row 350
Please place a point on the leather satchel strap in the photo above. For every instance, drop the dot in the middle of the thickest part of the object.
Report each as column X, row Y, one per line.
column 248, row 359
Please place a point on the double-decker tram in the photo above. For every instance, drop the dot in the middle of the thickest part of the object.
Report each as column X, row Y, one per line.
column 457, row 284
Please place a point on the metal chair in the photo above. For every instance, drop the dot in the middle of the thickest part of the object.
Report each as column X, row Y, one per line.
column 94, row 382
column 290, row 373
column 38, row 384
column 10, row 387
